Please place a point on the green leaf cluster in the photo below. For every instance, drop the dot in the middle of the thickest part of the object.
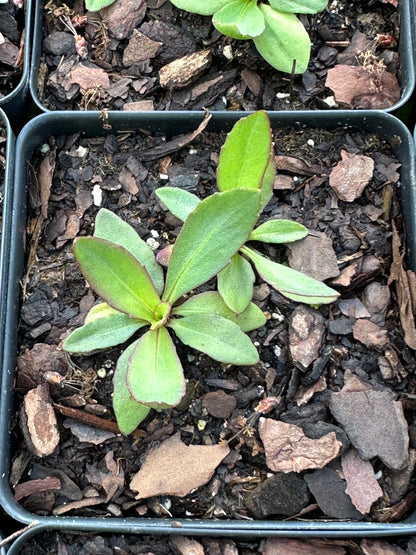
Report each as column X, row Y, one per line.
column 122, row 270
column 277, row 33
column 247, row 162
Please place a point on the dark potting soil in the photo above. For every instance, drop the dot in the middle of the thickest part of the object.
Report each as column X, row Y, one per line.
column 129, row 43
column 307, row 356
column 51, row 543
column 12, row 24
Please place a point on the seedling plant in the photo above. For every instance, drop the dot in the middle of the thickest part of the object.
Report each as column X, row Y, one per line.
column 122, row 269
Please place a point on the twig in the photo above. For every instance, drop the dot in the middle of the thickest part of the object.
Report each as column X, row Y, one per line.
column 18, row 533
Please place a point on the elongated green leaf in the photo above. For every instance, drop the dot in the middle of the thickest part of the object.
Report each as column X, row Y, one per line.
column 110, row 328
column 211, row 234
column 239, row 19
column 235, row 284
column 179, row 202
column 279, row 231
column 129, row 413
column 217, row 337
column 100, row 310
column 155, row 375
column 211, row 302
column 207, row 7
column 283, row 41
column 268, row 180
column 117, row 277
column 109, row 226
column 299, row 6
column 291, row 283
column 245, row 155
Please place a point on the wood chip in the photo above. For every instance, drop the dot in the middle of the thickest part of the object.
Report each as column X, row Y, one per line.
column 186, row 546
column 314, row 256
column 351, row 175
column 370, row 334
column 219, row 404
column 85, row 502
column 306, row 335
column 289, row 546
column 381, row 547
column 184, row 71
column 139, row 49
column 362, row 485
column 35, row 486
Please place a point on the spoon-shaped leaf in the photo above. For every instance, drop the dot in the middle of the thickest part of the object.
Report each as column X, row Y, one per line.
column 109, row 226
column 239, row 19
column 291, row 283
column 235, row 283
column 211, row 234
column 178, row 201
column 216, row 336
column 129, row 413
column 211, row 302
column 299, row 6
column 117, row 277
column 155, row 375
column 206, row 7
column 279, row 231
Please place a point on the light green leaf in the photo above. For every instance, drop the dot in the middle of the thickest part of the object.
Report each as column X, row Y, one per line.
column 97, row 5
column 245, row 155
column 291, row 283
column 268, row 180
column 284, row 40
column 211, row 302
column 117, row 277
column 179, row 202
column 239, row 19
column 109, row 226
column 211, row 234
column 155, row 375
column 235, row 283
column 299, row 6
column 100, row 310
column 106, row 330
column 206, row 7
column 279, row 231
column 129, row 413
column 216, row 336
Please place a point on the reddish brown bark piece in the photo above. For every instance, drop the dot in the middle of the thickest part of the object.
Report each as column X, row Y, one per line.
column 362, row 485
column 219, row 404
column 298, row 166
column 186, row 546
column 139, row 49
column 176, row 469
column 33, row 363
column 314, row 256
column 351, row 175
column 184, row 71
column 35, row 486
column 287, row 546
column 88, row 77
column 40, row 421
column 380, row 547
column 306, row 335
column 373, row 420
column 288, row 449
column 85, row 502
column 349, row 82
column 371, row 335
column 123, row 16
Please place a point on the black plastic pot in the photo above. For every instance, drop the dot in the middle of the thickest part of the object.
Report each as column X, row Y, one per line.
column 407, row 62
column 15, row 103
column 33, row 135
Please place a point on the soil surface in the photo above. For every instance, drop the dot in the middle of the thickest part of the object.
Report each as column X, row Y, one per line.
column 125, row 52
column 51, row 543
column 12, row 24
column 339, row 379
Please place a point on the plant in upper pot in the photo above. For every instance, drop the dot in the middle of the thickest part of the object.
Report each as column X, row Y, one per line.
column 124, row 272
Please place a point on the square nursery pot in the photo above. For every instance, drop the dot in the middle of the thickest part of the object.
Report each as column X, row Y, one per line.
column 226, row 84
column 389, row 132
column 47, row 541
column 16, row 102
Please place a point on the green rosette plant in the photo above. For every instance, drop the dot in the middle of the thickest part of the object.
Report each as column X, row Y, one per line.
column 125, row 274
column 277, row 33
column 247, row 160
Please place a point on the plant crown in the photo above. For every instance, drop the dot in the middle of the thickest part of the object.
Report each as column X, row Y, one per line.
column 277, row 33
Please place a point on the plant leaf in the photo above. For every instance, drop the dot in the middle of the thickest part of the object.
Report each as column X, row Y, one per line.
column 117, row 277
column 279, row 231
column 129, row 413
column 217, row 337
column 268, row 180
column 284, row 40
column 211, row 234
column 178, row 201
column 211, row 302
column 109, row 226
column 299, row 6
column 155, row 375
column 245, row 155
column 291, row 283
column 239, row 19
column 97, row 5
column 104, row 330
column 235, row 283
column 208, row 7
